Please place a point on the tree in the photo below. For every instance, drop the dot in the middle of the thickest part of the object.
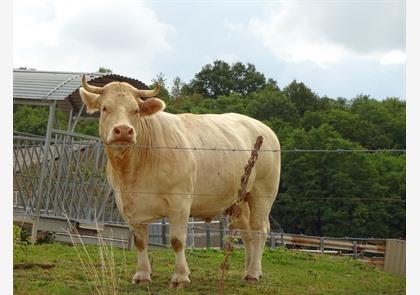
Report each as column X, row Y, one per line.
column 104, row 70
column 161, row 80
column 177, row 85
column 222, row 79
column 301, row 96
column 34, row 120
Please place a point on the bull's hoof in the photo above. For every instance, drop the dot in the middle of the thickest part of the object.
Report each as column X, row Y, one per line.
column 251, row 279
column 142, row 278
column 179, row 281
column 179, row 285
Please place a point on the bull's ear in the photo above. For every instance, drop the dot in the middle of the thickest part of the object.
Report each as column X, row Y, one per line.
column 90, row 100
column 151, row 106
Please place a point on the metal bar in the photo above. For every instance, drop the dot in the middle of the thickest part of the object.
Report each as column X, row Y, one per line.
column 354, row 249
column 208, row 238
column 59, row 184
column 44, row 167
column 322, row 245
column 60, row 85
column 70, row 119
column 164, row 240
column 34, row 102
column 222, row 233
column 76, row 119
column 74, row 134
column 272, row 240
column 73, row 180
column 52, row 191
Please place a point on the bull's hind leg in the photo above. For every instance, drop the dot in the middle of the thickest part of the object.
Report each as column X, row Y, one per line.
column 143, row 270
column 242, row 223
column 260, row 202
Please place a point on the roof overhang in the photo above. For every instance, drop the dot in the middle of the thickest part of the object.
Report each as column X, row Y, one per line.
column 44, row 87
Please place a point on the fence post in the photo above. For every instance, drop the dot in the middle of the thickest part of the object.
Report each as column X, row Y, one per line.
column 272, row 240
column 163, row 228
column 130, row 237
column 37, row 212
column 322, row 245
column 222, row 228
column 354, row 249
column 208, row 240
column 281, row 240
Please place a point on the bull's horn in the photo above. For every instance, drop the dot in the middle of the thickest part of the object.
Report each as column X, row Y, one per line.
column 90, row 88
column 149, row 93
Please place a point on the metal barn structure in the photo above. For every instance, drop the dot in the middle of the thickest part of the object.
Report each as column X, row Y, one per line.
column 60, row 177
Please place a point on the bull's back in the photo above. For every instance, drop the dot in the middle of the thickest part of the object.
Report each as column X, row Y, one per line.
column 219, row 172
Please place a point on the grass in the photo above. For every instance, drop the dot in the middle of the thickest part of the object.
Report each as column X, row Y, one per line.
column 286, row 272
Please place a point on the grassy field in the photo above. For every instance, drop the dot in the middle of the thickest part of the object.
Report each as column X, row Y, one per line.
column 55, row 268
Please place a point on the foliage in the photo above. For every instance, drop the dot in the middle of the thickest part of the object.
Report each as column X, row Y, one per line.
column 285, row 271
column 104, row 70
column 336, row 193
column 220, row 78
column 34, row 119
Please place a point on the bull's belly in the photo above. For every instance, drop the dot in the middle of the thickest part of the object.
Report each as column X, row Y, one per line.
column 139, row 209
column 212, row 207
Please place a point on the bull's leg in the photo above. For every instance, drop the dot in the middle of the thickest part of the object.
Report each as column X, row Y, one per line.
column 143, row 270
column 178, row 233
column 242, row 223
column 260, row 206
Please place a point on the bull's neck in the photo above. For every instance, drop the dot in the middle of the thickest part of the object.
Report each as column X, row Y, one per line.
column 133, row 160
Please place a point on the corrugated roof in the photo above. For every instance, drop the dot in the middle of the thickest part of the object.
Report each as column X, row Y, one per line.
column 60, row 86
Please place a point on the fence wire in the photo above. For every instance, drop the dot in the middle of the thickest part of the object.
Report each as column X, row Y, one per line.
column 220, row 149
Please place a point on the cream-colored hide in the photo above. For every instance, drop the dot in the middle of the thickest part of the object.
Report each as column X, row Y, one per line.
column 155, row 183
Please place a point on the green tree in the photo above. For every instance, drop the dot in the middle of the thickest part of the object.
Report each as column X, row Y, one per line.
column 301, row 96
column 222, row 79
column 104, row 70
column 176, row 89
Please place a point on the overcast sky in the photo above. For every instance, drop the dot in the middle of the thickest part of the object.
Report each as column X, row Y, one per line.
column 338, row 48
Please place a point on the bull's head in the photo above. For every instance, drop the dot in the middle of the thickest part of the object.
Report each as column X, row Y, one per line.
column 122, row 107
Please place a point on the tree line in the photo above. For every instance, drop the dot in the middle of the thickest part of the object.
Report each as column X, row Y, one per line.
column 321, row 193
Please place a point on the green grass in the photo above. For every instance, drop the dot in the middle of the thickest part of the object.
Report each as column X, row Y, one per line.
column 286, row 272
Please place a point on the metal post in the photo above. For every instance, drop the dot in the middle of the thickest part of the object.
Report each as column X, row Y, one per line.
column 208, row 240
column 221, row 228
column 164, row 240
column 273, row 240
column 130, row 245
column 36, row 216
column 322, row 245
column 76, row 119
column 281, row 240
column 70, row 120
column 354, row 249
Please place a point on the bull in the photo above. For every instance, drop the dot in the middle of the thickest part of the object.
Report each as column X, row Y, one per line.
column 151, row 183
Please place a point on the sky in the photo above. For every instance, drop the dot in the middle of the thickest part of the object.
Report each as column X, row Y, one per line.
column 338, row 48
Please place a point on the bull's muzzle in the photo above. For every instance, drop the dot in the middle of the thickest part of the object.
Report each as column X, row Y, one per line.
column 122, row 134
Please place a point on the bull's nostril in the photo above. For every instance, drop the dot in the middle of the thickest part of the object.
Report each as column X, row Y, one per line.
column 130, row 132
column 117, row 131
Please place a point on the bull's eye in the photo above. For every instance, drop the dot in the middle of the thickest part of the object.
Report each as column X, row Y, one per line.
column 103, row 109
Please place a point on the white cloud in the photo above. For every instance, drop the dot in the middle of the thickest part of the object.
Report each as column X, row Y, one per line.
column 329, row 32
column 84, row 35
column 393, row 57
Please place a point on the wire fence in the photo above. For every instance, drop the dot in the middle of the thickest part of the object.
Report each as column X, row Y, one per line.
column 225, row 149
column 75, row 181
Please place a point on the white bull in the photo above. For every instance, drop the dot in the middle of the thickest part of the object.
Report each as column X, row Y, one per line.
column 151, row 183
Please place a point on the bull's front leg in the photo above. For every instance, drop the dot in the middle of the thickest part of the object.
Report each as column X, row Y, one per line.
column 143, row 270
column 178, row 219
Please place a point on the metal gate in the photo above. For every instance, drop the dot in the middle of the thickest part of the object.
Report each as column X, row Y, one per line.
column 73, row 186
